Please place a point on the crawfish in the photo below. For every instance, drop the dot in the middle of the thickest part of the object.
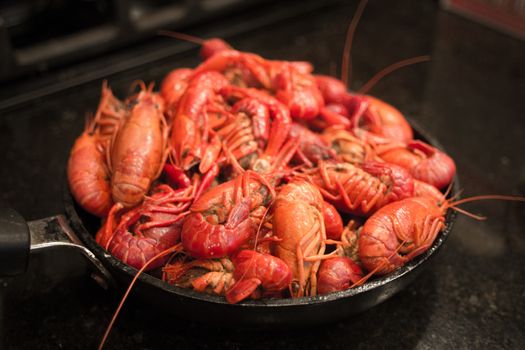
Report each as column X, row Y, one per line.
column 87, row 171
column 209, row 276
column 399, row 232
column 424, row 162
column 403, row 230
column 333, row 221
column 190, row 131
column 311, row 148
column 256, row 271
column 241, row 68
column 139, row 234
column 379, row 121
column 336, row 274
column 88, row 175
column 239, row 134
column 369, row 117
column 299, row 225
column 138, row 149
column 173, row 87
column 223, row 219
column 291, row 82
column 364, row 189
column 296, row 90
column 422, row 189
column 263, row 107
column 348, row 147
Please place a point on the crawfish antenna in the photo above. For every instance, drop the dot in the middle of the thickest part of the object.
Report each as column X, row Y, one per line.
column 488, row 196
column 449, row 189
column 393, row 67
column 114, row 318
column 181, row 36
column 345, row 64
column 453, row 205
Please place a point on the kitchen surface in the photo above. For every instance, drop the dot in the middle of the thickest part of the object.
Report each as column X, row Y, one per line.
column 469, row 96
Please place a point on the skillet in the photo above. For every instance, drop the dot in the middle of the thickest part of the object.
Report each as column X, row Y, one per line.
column 76, row 230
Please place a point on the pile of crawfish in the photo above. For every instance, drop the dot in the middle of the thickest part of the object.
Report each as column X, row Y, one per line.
column 236, row 178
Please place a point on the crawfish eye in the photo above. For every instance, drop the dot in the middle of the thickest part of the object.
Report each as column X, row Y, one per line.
column 132, row 103
column 295, row 287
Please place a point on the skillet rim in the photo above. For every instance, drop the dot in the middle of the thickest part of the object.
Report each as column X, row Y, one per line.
column 88, row 239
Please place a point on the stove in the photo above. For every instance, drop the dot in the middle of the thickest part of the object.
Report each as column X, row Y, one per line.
column 469, row 96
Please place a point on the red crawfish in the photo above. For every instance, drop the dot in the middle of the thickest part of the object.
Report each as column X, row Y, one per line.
column 380, row 119
column 213, row 276
column 137, row 235
column 369, row 117
column 348, row 147
column 333, row 221
column 255, row 121
column 139, row 149
column 173, row 87
column 190, row 130
column 88, row 175
column 312, row 148
column 343, row 271
column 263, row 108
column 336, row 274
column 398, row 232
column 223, row 219
column 291, row 82
column 363, row 189
column 87, row 171
column 299, row 226
column 424, row 162
column 422, row 189
column 257, row 274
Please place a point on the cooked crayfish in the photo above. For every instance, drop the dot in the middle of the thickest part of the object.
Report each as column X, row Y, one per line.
column 257, row 274
column 223, row 219
column 87, row 170
column 299, row 226
column 137, row 235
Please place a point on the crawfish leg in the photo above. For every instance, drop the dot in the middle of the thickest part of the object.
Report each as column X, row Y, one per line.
column 431, row 228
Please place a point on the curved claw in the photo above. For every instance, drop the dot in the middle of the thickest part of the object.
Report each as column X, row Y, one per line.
column 242, row 290
column 333, row 118
column 421, row 146
column 210, row 154
column 176, row 176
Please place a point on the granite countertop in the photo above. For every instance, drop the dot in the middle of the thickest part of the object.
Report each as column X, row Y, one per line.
column 470, row 96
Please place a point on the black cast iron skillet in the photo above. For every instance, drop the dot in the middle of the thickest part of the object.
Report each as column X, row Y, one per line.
column 77, row 229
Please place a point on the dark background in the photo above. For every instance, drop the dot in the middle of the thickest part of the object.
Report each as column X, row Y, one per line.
column 470, row 97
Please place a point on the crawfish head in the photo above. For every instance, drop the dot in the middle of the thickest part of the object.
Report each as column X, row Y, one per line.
column 221, row 221
column 256, row 270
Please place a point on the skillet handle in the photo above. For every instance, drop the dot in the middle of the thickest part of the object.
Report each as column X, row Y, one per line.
column 54, row 232
column 19, row 239
column 14, row 243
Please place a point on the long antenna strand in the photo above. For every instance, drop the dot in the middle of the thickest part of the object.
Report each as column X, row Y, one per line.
column 345, row 64
column 114, row 318
column 489, row 196
column 181, row 36
column 393, row 67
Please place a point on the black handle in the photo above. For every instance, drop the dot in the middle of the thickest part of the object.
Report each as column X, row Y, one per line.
column 14, row 243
